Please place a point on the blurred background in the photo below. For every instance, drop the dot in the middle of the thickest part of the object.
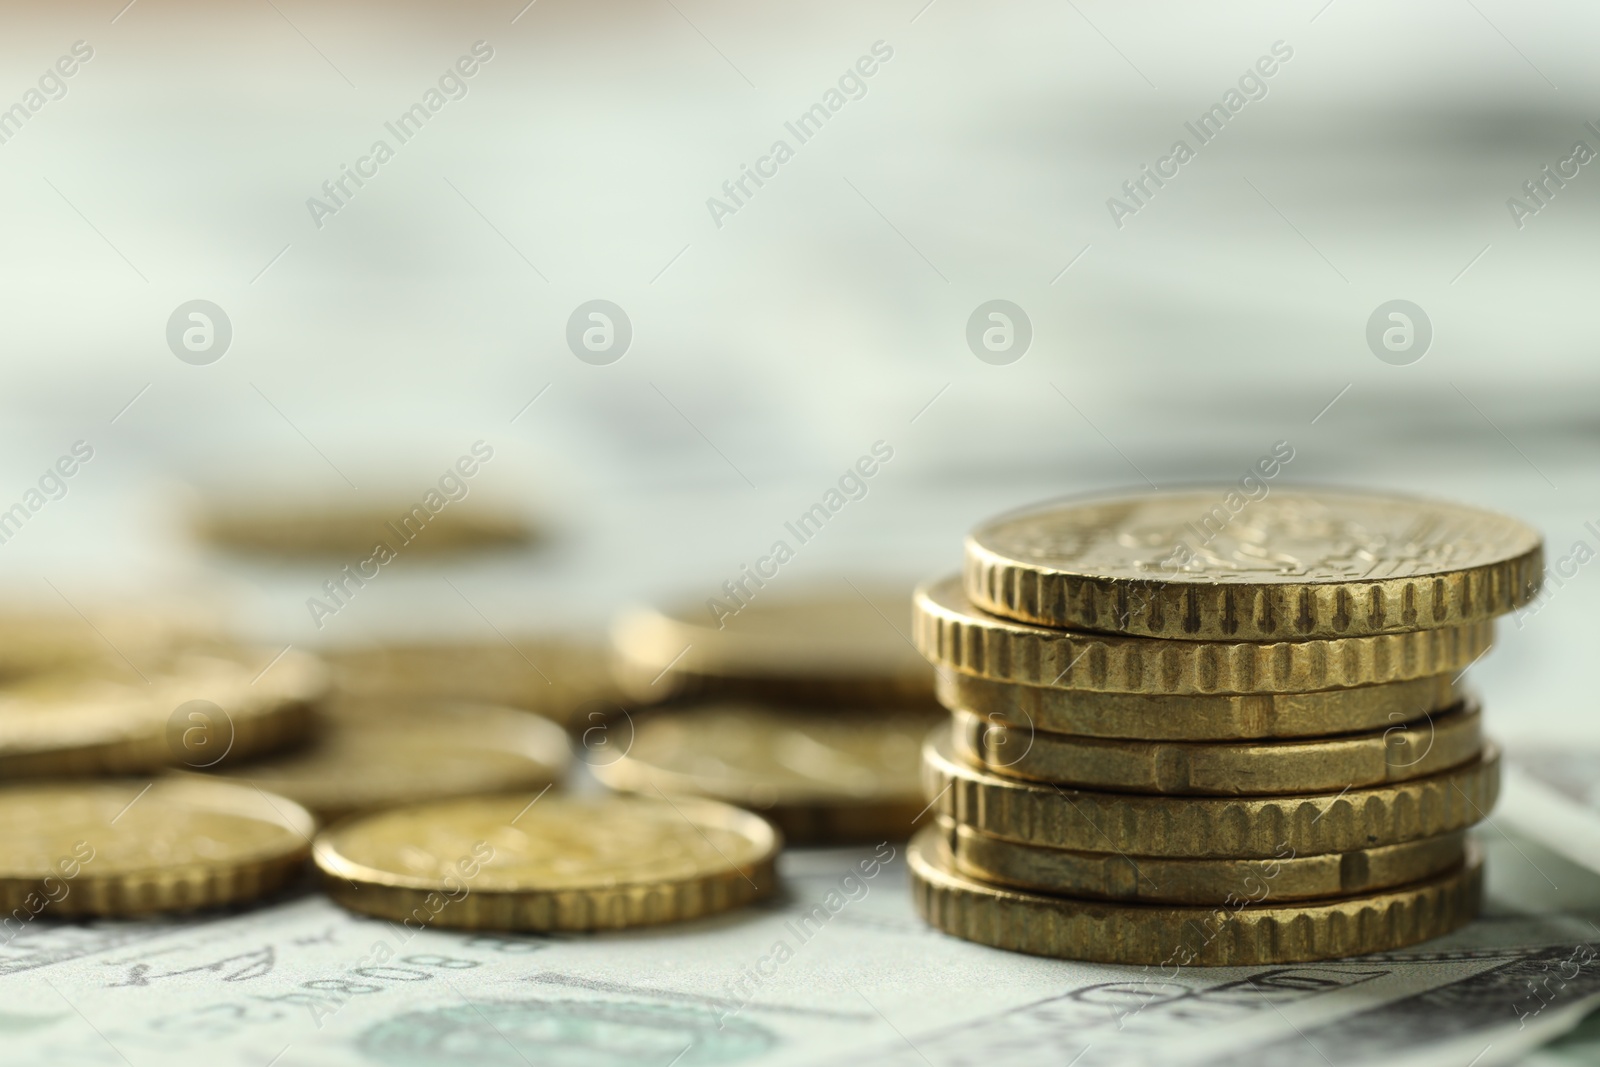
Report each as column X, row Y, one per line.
column 776, row 339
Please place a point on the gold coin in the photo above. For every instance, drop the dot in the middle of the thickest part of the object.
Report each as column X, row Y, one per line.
column 1222, row 768
column 129, row 848
column 523, row 862
column 1144, row 716
column 566, row 681
column 956, row 636
column 1154, row 879
column 273, row 527
column 199, row 709
column 818, row 775
column 845, row 645
column 111, row 640
column 378, row 753
column 1213, row 565
column 1162, row 935
column 1055, row 816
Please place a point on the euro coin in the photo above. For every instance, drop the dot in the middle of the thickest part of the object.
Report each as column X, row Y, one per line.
column 1157, row 879
column 376, row 753
column 534, row 862
column 956, row 636
column 1242, row 933
column 1237, row 564
column 821, row 776
column 847, row 645
column 1227, row 717
column 291, row 530
column 199, row 709
column 1399, row 753
column 130, row 848
column 566, row 681
column 1037, row 813
column 114, row 641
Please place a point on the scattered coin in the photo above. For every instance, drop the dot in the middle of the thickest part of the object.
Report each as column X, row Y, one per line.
column 820, row 776
column 1198, row 718
column 112, row 640
column 533, row 862
column 278, row 528
column 1055, row 816
column 956, row 636
column 198, row 709
column 374, row 753
column 1223, row 768
column 1155, row 879
column 130, row 848
column 1218, row 565
column 847, row 645
column 563, row 680
column 1164, row 935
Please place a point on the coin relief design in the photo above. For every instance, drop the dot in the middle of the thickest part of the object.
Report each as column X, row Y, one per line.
column 141, row 847
column 1215, row 563
column 536, row 862
column 556, row 843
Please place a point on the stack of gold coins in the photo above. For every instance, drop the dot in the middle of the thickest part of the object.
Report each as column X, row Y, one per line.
column 1214, row 726
column 807, row 706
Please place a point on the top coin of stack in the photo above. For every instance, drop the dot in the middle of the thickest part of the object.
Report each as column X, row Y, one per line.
column 1214, row 726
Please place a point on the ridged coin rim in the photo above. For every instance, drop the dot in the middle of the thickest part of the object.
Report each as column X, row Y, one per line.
column 1226, row 608
column 954, row 635
column 1207, row 827
column 1164, row 935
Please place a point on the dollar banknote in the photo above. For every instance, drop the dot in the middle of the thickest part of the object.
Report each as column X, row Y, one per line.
column 839, row 967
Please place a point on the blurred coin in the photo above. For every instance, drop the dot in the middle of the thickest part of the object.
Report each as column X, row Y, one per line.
column 1156, row 879
column 847, row 644
column 1223, row 768
column 533, row 862
column 1235, row 563
column 821, row 776
column 1189, row 827
column 116, row 641
column 1155, row 717
column 561, row 679
column 128, row 847
column 198, row 709
column 1163, row 935
column 380, row 752
column 955, row 636
column 281, row 528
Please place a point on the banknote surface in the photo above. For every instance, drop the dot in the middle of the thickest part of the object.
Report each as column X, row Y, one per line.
column 838, row 966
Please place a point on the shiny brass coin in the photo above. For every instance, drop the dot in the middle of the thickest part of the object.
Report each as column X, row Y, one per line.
column 1223, row 768
column 847, row 644
column 1164, row 935
column 1215, row 565
column 956, row 636
column 273, row 527
column 526, row 862
column 376, row 753
column 1188, row 827
column 130, row 848
column 1143, row 716
column 820, row 776
column 113, row 641
column 1104, row 875
column 566, row 681
column 200, row 709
